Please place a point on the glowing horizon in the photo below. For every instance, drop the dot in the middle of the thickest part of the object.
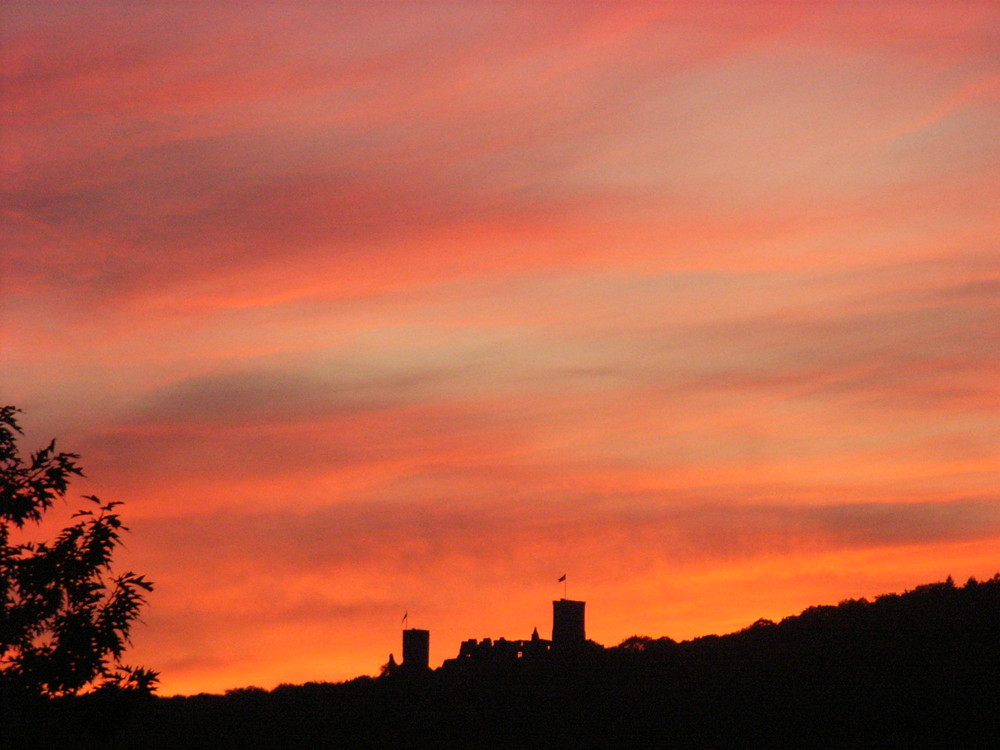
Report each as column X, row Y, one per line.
column 364, row 308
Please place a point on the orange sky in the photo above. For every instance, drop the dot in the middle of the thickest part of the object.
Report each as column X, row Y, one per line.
column 365, row 308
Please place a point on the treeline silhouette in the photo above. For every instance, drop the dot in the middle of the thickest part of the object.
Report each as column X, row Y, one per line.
column 919, row 669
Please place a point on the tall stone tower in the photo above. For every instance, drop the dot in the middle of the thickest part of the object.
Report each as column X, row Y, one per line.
column 568, row 623
column 416, row 648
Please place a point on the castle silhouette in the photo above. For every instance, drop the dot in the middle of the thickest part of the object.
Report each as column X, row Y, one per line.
column 568, row 635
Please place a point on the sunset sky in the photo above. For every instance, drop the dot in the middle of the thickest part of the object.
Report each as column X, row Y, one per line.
column 371, row 308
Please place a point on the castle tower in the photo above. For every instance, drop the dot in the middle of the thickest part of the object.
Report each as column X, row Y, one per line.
column 416, row 648
column 568, row 623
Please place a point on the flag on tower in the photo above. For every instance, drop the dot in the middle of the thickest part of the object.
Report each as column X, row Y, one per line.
column 561, row 578
column 406, row 616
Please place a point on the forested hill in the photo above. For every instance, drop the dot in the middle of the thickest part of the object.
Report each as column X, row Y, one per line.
column 919, row 669
column 931, row 617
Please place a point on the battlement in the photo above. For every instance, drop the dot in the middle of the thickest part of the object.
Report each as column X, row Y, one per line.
column 568, row 635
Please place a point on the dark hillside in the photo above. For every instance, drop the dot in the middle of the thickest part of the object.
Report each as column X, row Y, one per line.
column 919, row 669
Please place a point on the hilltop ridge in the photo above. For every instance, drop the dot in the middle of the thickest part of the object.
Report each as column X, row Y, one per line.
column 917, row 669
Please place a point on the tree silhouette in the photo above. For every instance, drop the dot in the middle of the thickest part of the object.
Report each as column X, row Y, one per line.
column 65, row 616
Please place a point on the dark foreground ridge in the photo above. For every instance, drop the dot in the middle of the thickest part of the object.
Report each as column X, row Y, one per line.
column 919, row 669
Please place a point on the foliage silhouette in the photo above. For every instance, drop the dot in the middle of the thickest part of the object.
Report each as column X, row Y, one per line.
column 66, row 617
